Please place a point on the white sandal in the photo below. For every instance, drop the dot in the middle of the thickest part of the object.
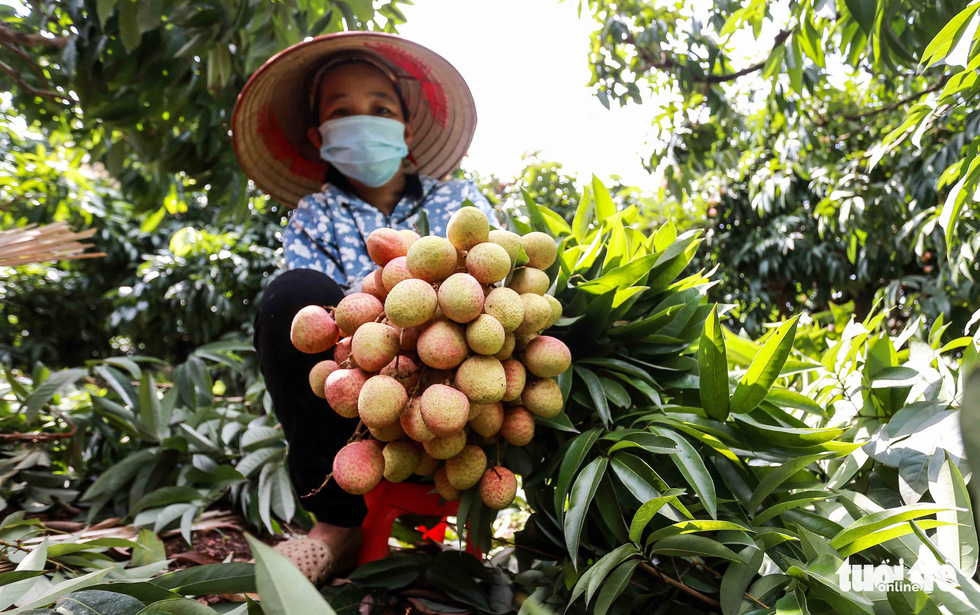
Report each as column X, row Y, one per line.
column 314, row 558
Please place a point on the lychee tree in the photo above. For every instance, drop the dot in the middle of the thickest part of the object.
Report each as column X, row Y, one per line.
column 694, row 466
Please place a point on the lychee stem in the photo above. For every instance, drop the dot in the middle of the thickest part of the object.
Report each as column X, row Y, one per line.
column 358, row 433
column 318, row 489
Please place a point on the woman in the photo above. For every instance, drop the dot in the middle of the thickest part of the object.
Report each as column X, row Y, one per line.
column 352, row 130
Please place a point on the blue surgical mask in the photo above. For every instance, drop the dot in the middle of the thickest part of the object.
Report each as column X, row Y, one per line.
column 366, row 148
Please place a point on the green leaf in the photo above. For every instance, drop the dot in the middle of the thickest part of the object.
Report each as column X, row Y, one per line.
column 764, row 370
column 691, row 466
column 129, row 29
column 614, row 587
column 596, row 392
column 876, row 521
column 50, row 387
column 393, row 572
column 533, row 213
column 737, row 578
column 282, row 587
column 713, row 368
column 604, row 206
column 796, row 500
column 789, row 604
column 35, row 561
column 231, row 578
column 957, row 541
column 151, row 413
column 605, row 565
column 621, row 277
column 943, row 42
column 113, row 479
column 690, row 545
column 790, row 437
column 180, row 606
column 99, row 602
column 695, row 525
column 584, row 215
column 104, row 10
column 648, row 510
column 583, row 490
column 62, row 589
column 779, row 475
column 153, row 550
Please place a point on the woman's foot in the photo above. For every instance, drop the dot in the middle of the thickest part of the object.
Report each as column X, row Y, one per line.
column 344, row 542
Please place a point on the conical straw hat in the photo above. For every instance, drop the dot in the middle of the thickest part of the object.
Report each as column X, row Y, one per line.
column 271, row 117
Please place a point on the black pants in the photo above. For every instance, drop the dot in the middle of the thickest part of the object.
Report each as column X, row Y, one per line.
column 313, row 430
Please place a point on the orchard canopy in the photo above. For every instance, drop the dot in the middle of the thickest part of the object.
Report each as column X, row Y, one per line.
column 769, row 396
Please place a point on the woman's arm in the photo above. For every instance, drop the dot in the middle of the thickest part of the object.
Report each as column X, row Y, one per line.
column 308, row 241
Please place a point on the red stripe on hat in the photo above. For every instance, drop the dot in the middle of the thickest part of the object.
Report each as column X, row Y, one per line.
column 433, row 90
column 275, row 141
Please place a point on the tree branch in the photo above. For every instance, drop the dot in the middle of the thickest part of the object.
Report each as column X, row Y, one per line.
column 30, row 61
column 29, row 89
column 679, row 585
column 666, row 63
column 31, row 40
column 898, row 103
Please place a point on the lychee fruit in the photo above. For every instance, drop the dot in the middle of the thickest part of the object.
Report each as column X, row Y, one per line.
column 516, row 379
column 461, row 297
column 436, row 376
column 374, row 345
column 482, row 379
column 511, row 242
column 488, row 262
column 394, row 272
column 442, row 345
column 467, row 227
column 381, row 401
column 410, row 303
column 518, row 426
column 506, row 306
column 358, row 467
column 389, row 433
column 384, row 244
column 537, row 313
column 410, row 236
column 465, row 469
column 373, row 284
column 409, row 338
column 403, row 369
column 556, row 310
column 542, row 397
column 444, row 409
column 475, row 410
column 521, row 340
column 507, row 349
column 427, row 465
column 356, row 309
column 498, row 487
column 445, row 489
column 313, row 330
column 529, row 280
column 487, row 423
column 432, row 259
column 413, row 423
column 446, row 446
column 341, row 351
column 342, row 389
column 401, row 460
column 540, row 249
column 547, row 356
column 485, row 335
column 318, row 376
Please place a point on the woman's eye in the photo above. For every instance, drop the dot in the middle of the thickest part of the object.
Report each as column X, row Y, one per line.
column 383, row 111
column 340, row 112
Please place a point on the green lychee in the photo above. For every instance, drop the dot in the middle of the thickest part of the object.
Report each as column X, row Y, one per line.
column 342, row 389
column 556, row 310
column 318, row 376
column 540, row 249
column 537, row 313
column 467, row 227
column 466, row 469
column 356, row 309
column 389, row 433
column 529, row 280
column 485, row 335
column 487, row 423
column 488, row 263
column 498, row 487
column 432, row 259
column 442, row 345
column 381, row 401
column 401, row 460
column 506, row 306
column 482, row 379
column 511, row 242
column 547, row 356
column 510, row 341
column 313, row 330
column 374, row 345
column 445, row 489
column 358, row 467
column 444, row 409
column 542, row 396
column 446, row 446
column 410, row 303
column 461, row 297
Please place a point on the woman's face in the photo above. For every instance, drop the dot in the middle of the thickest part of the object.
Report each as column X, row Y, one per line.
column 357, row 89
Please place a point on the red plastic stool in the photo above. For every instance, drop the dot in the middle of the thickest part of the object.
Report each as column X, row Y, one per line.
column 387, row 502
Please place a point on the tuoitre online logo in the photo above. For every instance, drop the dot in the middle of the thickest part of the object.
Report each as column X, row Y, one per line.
column 923, row 575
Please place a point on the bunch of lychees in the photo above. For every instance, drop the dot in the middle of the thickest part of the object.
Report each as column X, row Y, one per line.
column 439, row 357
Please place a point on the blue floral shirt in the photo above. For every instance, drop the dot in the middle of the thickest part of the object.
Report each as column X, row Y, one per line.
column 328, row 229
